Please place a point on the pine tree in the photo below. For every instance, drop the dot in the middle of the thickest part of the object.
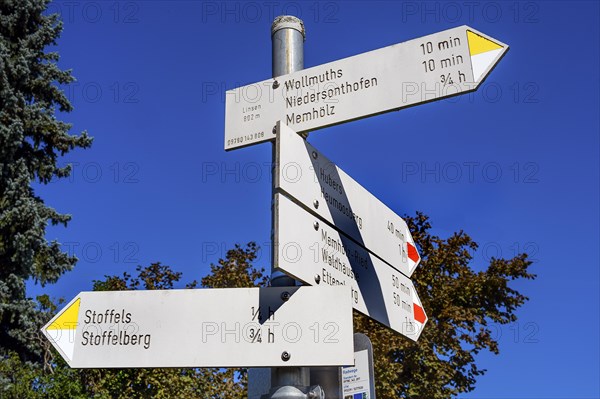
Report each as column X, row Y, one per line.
column 31, row 141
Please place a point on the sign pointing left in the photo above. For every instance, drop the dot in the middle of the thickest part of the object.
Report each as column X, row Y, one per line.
column 250, row 327
column 61, row 330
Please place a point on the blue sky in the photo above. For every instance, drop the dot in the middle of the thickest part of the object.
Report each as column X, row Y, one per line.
column 515, row 164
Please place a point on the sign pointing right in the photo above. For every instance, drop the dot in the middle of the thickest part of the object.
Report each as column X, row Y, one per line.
column 432, row 67
column 484, row 54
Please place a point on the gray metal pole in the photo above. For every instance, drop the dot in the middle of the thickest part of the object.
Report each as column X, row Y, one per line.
column 287, row 36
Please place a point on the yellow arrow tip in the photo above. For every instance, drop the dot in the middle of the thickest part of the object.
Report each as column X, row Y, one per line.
column 479, row 44
column 67, row 319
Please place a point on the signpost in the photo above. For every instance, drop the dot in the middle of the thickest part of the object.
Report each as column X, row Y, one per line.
column 310, row 178
column 328, row 230
column 312, row 251
column 451, row 62
column 237, row 327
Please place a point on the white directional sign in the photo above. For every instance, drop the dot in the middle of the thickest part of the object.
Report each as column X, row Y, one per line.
column 432, row 67
column 310, row 250
column 239, row 327
column 308, row 176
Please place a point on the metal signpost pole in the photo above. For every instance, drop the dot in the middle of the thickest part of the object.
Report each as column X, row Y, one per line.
column 287, row 36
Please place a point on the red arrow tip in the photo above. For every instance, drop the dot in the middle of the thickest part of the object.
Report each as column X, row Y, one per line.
column 419, row 313
column 412, row 252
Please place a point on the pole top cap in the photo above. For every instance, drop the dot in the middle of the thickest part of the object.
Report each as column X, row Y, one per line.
column 288, row 22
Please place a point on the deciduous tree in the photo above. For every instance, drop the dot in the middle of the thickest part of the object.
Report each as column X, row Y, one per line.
column 461, row 304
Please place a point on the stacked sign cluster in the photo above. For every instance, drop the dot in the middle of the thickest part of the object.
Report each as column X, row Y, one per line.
column 329, row 231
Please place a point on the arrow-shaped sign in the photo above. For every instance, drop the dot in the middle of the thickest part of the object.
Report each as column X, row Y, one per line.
column 310, row 250
column 432, row 67
column 308, row 176
column 236, row 327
